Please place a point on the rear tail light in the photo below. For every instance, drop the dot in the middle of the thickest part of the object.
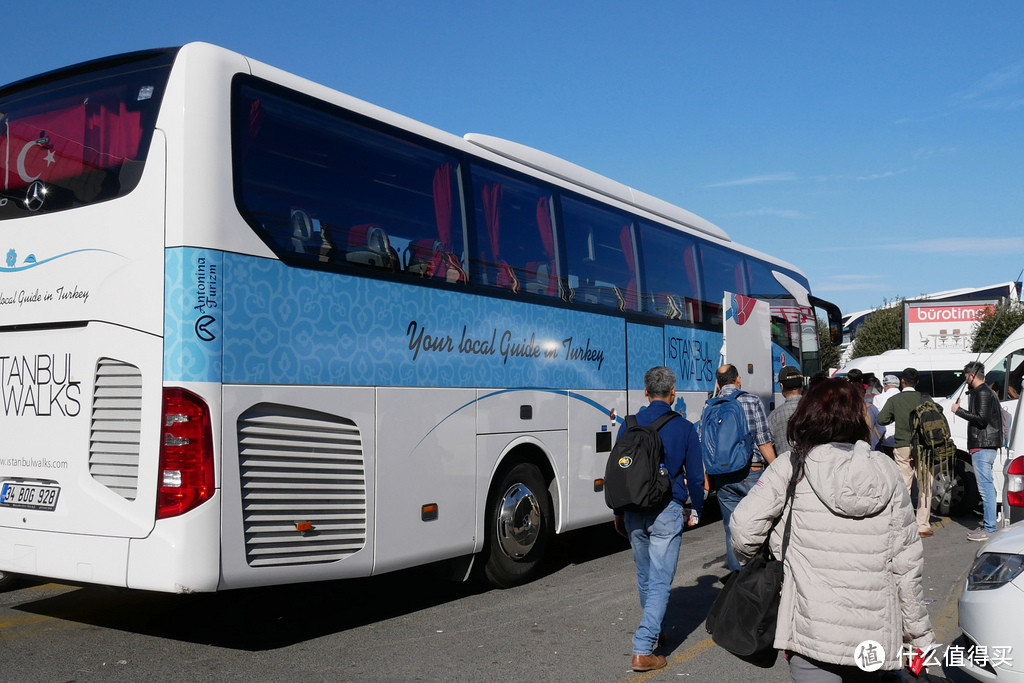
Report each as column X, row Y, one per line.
column 1015, row 483
column 186, row 454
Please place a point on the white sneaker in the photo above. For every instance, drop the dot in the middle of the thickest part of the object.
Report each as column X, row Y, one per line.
column 979, row 535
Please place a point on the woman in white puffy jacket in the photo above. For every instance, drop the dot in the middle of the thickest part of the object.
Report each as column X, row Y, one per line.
column 854, row 560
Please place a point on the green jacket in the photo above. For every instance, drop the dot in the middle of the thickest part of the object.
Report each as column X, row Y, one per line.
column 897, row 409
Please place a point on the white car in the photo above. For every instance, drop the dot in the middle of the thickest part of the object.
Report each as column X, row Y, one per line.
column 991, row 649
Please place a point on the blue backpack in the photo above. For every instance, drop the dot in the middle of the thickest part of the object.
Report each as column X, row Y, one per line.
column 725, row 439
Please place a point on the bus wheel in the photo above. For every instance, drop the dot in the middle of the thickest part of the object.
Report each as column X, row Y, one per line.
column 519, row 523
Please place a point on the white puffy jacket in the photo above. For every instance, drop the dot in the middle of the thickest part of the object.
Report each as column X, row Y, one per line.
column 854, row 560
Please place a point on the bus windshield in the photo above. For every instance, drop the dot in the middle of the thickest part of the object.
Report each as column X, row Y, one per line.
column 80, row 136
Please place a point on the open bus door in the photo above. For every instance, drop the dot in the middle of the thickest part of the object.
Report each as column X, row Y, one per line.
column 747, row 343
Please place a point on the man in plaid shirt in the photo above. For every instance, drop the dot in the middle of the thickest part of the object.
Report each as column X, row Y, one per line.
column 733, row 486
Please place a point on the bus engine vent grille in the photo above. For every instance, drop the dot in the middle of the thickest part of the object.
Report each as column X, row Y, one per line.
column 303, row 484
column 116, row 426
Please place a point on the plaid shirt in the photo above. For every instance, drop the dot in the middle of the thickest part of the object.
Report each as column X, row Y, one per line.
column 757, row 419
column 779, row 420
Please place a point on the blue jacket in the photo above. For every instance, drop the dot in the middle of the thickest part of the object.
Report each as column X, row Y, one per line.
column 682, row 453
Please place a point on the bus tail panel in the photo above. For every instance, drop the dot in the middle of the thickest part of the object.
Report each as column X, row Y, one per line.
column 67, row 557
column 80, row 419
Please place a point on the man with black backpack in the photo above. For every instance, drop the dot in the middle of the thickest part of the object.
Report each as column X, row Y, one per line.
column 655, row 534
column 984, row 437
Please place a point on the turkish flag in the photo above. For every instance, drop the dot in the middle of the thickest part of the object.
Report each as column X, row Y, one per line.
column 45, row 147
column 742, row 307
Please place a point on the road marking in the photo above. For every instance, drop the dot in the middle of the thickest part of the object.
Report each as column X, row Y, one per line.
column 686, row 655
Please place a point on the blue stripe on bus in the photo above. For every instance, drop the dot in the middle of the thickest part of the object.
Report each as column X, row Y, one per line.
column 561, row 392
column 239, row 319
column 31, row 261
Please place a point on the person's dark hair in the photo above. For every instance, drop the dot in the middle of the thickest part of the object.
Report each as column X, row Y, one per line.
column 816, row 377
column 910, row 376
column 855, row 375
column 831, row 411
column 975, row 368
column 727, row 374
column 659, row 381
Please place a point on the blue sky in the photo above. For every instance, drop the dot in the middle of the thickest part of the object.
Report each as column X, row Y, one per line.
column 875, row 145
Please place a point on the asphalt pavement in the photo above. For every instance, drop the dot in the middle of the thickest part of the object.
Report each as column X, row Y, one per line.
column 574, row 623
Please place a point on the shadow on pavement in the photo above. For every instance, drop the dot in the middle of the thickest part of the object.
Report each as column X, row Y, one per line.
column 267, row 618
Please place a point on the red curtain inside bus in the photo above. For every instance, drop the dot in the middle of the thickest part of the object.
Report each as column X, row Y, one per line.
column 63, row 144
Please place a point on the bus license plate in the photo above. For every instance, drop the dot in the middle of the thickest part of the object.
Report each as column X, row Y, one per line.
column 29, row 496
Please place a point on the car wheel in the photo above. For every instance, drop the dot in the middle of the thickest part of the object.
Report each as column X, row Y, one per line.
column 954, row 489
column 519, row 523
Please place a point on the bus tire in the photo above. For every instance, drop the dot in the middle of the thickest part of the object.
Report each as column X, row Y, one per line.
column 519, row 523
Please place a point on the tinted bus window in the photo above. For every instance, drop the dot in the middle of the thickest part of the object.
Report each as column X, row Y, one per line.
column 602, row 266
column 787, row 318
column 763, row 283
column 671, row 278
column 722, row 272
column 322, row 189
column 79, row 136
column 515, row 235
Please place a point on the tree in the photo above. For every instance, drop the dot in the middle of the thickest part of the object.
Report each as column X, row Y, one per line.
column 996, row 324
column 829, row 353
column 880, row 332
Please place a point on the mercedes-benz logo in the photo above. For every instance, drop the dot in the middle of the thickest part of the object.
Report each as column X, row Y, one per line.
column 35, row 196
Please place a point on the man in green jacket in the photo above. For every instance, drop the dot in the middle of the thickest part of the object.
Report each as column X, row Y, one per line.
column 897, row 409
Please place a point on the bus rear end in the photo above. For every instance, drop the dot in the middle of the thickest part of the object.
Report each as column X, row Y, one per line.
column 82, row 223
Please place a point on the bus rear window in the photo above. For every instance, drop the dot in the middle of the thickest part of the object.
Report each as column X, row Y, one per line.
column 80, row 135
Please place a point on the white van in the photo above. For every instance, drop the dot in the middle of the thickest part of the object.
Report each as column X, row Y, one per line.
column 941, row 376
column 1004, row 372
column 940, row 373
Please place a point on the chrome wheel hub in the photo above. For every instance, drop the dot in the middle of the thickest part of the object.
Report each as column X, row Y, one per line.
column 519, row 521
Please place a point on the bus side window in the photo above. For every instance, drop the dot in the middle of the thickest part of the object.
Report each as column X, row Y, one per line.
column 430, row 253
column 670, row 277
column 321, row 188
column 515, row 234
column 602, row 256
column 723, row 271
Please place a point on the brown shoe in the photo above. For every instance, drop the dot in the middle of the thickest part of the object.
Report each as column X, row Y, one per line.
column 648, row 662
column 926, row 534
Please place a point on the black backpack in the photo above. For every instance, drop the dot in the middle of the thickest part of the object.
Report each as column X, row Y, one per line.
column 635, row 477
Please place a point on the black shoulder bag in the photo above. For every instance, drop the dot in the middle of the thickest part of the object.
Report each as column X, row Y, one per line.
column 743, row 617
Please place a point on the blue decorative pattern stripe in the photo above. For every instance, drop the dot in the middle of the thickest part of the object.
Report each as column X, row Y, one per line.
column 246, row 320
column 284, row 325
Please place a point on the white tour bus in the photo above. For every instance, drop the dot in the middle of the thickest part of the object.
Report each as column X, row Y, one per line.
column 255, row 331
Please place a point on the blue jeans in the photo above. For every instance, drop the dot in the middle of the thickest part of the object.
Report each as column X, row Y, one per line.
column 982, row 461
column 729, row 496
column 655, row 539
